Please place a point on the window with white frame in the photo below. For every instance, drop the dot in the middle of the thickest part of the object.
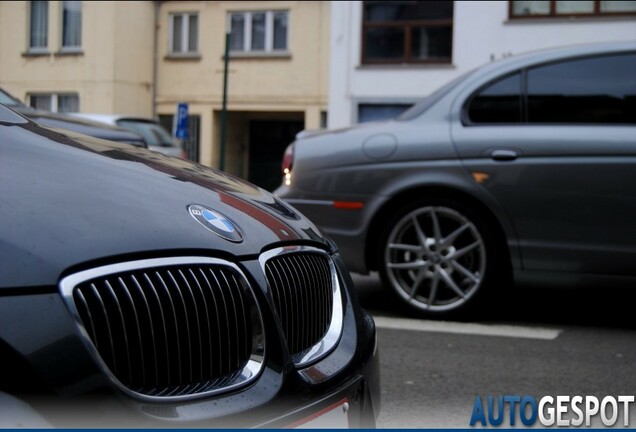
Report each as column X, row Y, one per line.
column 39, row 26
column 55, row 102
column 71, row 25
column 259, row 31
column 184, row 33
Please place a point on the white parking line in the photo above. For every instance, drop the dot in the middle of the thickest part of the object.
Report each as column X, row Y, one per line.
column 466, row 328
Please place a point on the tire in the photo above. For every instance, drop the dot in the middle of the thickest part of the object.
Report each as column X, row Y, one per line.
column 438, row 257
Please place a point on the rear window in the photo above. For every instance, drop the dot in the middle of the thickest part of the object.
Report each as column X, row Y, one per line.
column 153, row 133
column 422, row 106
column 8, row 100
column 8, row 116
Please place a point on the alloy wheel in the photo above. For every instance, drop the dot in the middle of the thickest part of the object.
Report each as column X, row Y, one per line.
column 435, row 258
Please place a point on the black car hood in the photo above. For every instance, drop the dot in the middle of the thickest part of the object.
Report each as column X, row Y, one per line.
column 68, row 201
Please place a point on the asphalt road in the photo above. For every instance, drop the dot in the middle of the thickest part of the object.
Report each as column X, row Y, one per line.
column 539, row 343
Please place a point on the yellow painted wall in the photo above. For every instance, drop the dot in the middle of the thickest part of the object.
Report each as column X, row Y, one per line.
column 114, row 71
column 294, row 84
column 301, row 79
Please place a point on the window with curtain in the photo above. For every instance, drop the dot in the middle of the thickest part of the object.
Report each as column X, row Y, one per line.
column 184, row 33
column 71, row 24
column 259, row 31
column 39, row 26
column 55, row 102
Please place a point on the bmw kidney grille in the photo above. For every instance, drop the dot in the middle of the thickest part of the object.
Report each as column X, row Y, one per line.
column 171, row 327
column 190, row 326
column 306, row 294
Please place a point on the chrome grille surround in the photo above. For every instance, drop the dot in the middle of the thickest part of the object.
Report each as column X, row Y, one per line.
column 284, row 308
column 71, row 290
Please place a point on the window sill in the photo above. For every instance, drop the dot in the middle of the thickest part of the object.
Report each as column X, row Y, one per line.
column 183, row 57
column 405, row 66
column 251, row 55
column 36, row 53
column 69, row 53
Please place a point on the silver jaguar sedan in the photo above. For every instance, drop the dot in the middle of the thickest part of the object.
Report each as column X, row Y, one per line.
column 523, row 170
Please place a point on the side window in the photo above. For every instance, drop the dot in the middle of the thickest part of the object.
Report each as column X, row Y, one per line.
column 499, row 102
column 599, row 90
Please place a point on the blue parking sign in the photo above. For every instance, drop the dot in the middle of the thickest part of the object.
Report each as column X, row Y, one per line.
column 181, row 129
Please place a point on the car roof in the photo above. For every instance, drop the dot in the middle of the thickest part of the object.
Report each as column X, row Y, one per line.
column 112, row 118
column 548, row 55
column 474, row 79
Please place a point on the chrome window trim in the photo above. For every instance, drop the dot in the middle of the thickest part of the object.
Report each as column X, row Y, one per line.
column 250, row 372
column 332, row 337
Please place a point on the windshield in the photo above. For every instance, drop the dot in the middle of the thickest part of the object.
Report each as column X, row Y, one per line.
column 153, row 133
column 8, row 100
column 423, row 105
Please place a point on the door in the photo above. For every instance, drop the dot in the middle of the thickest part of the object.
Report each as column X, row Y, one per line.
column 558, row 143
column 267, row 143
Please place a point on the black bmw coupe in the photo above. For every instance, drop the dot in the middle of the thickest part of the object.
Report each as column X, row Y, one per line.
column 142, row 290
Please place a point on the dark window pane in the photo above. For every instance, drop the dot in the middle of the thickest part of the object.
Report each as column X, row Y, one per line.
column 258, row 31
column 498, row 103
column 41, row 102
column 373, row 112
column 237, row 32
column 177, row 32
column 39, row 24
column 384, row 43
column 431, row 42
column 280, row 30
column 407, row 10
column 67, row 103
column 426, row 26
column 193, row 33
column 592, row 90
column 72, row 24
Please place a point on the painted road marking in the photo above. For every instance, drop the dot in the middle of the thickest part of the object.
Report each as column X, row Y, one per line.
column 467, row 328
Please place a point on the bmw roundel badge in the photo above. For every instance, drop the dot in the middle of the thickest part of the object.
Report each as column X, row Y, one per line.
column 216, row 222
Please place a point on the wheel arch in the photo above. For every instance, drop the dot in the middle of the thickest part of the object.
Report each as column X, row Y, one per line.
column 434, row 191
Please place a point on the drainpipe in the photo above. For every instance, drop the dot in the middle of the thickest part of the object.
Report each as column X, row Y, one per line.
column 226, row 60
column 155, row 57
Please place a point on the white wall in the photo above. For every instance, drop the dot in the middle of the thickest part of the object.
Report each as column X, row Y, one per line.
column 481, row 32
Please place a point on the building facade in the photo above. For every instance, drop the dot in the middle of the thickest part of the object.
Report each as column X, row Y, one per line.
column 290, row 62
column 78, row 55
column 277, row 77
column 143, row 58
column 386, row 55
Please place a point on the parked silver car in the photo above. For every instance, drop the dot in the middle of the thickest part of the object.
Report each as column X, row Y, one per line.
column 524, row 168
column 157, row 138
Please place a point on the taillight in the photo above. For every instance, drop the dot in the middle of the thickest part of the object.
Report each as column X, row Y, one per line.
column 288, row 162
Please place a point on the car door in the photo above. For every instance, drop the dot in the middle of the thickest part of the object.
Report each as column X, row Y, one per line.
column 555, row 144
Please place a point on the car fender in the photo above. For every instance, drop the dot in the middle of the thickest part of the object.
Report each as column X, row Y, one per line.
column 454, row 179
